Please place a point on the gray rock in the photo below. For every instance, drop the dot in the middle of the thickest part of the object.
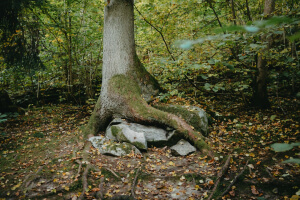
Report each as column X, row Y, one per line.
column 109, row 147
column 140, row 135
column 125, row 133
column 203, row 123
column 182, row 148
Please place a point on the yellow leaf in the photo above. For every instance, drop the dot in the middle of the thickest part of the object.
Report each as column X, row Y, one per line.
column 295, row 197
column 67, row 188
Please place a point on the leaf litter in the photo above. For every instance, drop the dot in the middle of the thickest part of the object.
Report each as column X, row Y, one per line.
column 42, row 156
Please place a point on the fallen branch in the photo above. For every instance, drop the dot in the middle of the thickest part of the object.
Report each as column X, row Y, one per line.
column 220, row 174
column 134, row 183
column 235, row 179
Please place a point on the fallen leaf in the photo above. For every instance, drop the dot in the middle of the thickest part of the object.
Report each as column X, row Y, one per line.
column 253, row 190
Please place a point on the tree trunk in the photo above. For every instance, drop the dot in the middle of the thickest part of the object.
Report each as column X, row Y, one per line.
column 260, row 94
column 248, row 11
column 233, row 12
column 126, row 85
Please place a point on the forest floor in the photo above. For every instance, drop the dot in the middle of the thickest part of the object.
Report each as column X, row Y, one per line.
column 43, row 155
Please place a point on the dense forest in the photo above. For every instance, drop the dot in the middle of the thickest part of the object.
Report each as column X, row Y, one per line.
column 238, row 60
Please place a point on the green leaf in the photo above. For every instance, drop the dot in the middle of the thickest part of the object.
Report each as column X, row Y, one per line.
column 211, row 61
column 204, row 76
column 207, row 86
column 273, row 117
column 294, row 37
column 195, row 66
column 251, row 29
column 296, row 144
column 292, row 160
column 3, row 115
column 215, row 89
column 186, row 45
column 282, row 147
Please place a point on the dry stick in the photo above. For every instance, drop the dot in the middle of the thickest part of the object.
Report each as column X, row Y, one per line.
column 134, row 183
column 220, row 174
column 234, row 180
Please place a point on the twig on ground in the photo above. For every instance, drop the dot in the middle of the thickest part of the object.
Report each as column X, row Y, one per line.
column 234, row 180
column 220, row 174
column 134, row 183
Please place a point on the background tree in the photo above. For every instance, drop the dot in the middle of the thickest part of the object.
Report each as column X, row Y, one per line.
column 19, row 50
column 260, row 94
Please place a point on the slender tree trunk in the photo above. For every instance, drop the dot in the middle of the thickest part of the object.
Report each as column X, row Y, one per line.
column 248, row 11
column 233, row 12
column 126, row 85
column 260, row 94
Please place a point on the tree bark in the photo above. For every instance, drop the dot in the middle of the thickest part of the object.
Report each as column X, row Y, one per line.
column 260, row 94
column 126, row 85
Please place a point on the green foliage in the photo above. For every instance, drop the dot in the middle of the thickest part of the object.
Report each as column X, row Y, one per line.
column 292, row 160
column 283, row 147
column 3, row 117
column 65, row 38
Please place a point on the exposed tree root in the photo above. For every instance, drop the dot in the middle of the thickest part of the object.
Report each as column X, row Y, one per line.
column 234, row 180
column 84, row 182
column 99, row 194
column 220, row 174
column 111, row 171
column 124, row 99
column 134, row 183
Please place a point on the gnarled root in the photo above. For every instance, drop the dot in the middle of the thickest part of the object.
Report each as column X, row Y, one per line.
column 125, row 100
